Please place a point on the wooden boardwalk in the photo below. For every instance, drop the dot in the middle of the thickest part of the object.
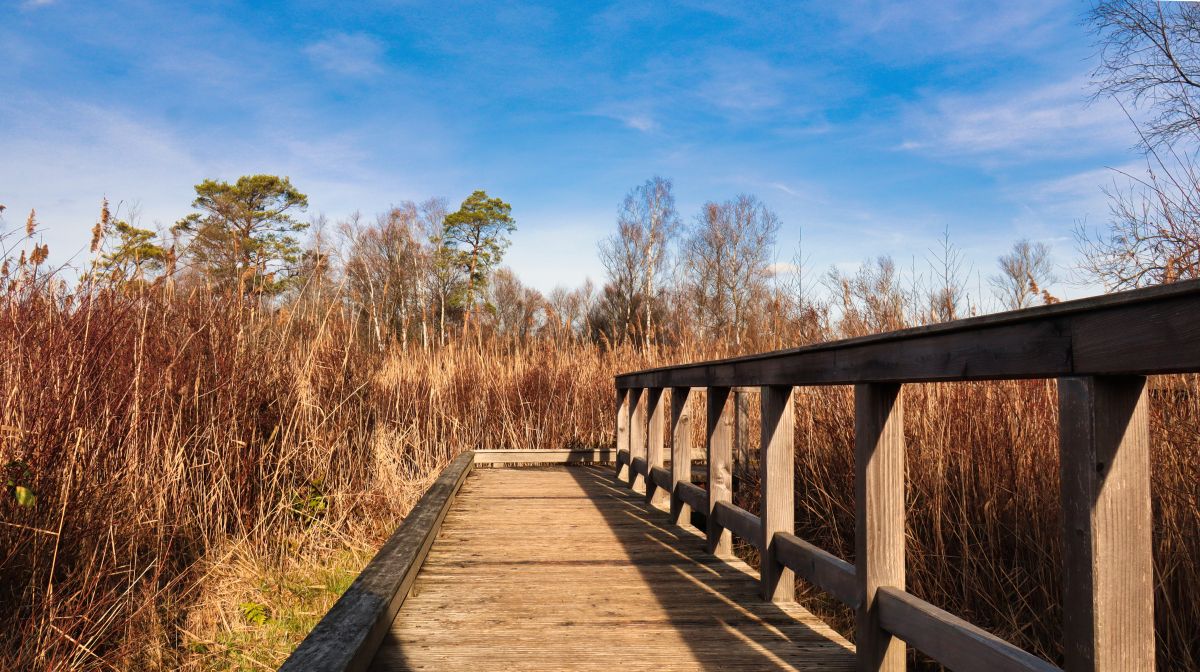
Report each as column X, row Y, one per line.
column 562, row 569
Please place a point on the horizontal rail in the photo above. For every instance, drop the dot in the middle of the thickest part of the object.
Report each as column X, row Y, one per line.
column 740, row 522
column 1140, row 332
column 820, row 568
column 346, row 639
column 499, row 458
column 638, row 466
column 950, row 640
column 661, row 477
column 692, row 495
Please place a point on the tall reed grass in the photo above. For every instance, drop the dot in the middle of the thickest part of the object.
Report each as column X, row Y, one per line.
column 180, row 445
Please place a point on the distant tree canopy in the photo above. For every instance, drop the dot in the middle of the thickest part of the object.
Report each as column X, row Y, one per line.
column 474, row 238
column 244, row 236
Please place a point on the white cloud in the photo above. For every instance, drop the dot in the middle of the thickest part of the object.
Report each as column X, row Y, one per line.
column 351, row 54
column 1053, row 121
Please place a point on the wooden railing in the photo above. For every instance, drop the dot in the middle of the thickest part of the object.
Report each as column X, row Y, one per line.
column 1100, row 350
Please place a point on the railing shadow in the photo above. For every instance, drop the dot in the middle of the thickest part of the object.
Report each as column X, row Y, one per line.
column 712, row 603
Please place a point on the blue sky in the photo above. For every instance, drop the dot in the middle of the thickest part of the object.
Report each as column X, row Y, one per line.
column 869, row 126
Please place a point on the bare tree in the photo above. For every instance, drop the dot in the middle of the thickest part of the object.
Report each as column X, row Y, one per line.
column 1025, row 273
column 1150, row 56
column 872, row 301
column 636, row 257
column 727, row 259
column 947, row 291
column 517, row 311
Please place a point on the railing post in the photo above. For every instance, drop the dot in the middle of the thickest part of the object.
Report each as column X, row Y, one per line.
column 637, row 432
column 719, row 448
column 681, row 452
column 654, row 446
column 622, row 427
column 778, row 463
column 1108, row 571
column 741, row 427
column 879, row 517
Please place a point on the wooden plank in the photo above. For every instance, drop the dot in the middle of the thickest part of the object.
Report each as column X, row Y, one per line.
column 681, row 453
column 1144, row 331
column 777, row 462
column 622, row 429
column 879, row 518
column 504, row 590
column 693, row 496
column 506, row 458
column 950, row 640
column 622, row 464
column 739, row 521
column 637, row 432
column 654, row 440
column 719, row 449
column 820, row 568
column 347, row 637
column 1108, row 582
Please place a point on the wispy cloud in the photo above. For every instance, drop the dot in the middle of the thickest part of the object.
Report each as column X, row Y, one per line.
column 357, row 55
column 1006, row 127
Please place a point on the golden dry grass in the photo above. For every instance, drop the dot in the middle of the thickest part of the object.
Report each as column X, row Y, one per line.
column 210, row 475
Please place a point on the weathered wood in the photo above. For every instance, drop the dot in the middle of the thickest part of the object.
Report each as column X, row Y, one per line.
column 1144, row 331
column 681, row 453
column 742, row 398
column 719, row 448
column 1108, row 586
column 508, row 458
column 777, row 468
column 637, row 432
column 622, row 465
column 950, row 640
column 693, row 496
column 346, row 639
column 820, row 568
column 654, row 438
column 660, row 477
column 622, row 429
column 879, row 518
column 638, row 467
column 561, row 569
column 739, row 521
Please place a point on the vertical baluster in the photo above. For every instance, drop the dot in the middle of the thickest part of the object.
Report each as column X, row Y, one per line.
column 622, row 430
column 681, row 452
column 1108, row 582
column 654, row 445
column 777, row 461
column 637, row 432
column 719, row 447
column 879, row 517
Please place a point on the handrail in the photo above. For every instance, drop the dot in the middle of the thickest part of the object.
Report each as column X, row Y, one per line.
column 346, row 638
column 1099, row 349
column 1140, row 332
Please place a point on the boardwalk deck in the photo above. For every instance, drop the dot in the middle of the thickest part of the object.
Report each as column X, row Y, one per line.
column 560, row 569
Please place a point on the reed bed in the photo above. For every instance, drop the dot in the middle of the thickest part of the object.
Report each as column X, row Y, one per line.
column 197, row 463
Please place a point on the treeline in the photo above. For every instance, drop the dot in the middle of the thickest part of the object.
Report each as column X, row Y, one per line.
column 421, row 275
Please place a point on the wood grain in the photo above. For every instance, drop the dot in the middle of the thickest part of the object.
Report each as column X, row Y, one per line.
column 560, row 568
column 719, row 449
column 622, row 429
column 1144, row 331
column 1108, row 571
column 637, row 434
column 879, row 518
column 745, row 525
column 950, row 640
column 820, row 568
column 681, row 453
column 654, row 439
column 509, row 458
column 777, row 463
column 347, row 637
